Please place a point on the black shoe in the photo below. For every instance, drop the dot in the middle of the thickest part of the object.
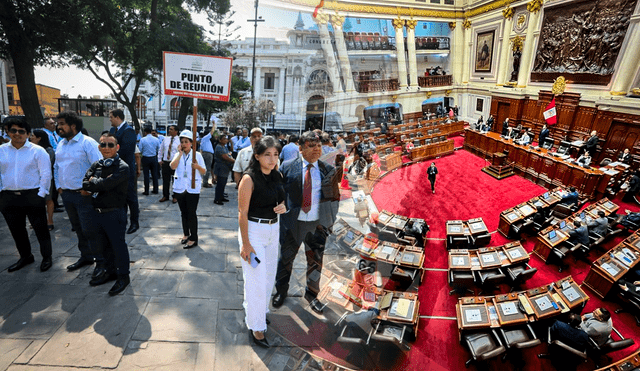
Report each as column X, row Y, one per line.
column 51, row 227
column 21, row 263
column 46, row 264
column 261, row 343
column 146, row 193
column 187, row 246
column 184, row 240
column 133, row 228
column 278, row 299
column 225, row 200
column 225, row 195
column 79, row 264
column 99, row 271
column 316, row 306
column 58, row 210
column 102, row 279
column 218, row 202
column 121, row 283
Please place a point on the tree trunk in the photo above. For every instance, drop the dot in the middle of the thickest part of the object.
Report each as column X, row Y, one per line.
column 23, row 60
column 185, row 106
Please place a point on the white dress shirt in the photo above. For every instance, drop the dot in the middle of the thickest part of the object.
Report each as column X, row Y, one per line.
column 183, row 174
column 316, row 188
column 163, row 153
column 73, row 158
column 26, row 168
column 242, row 162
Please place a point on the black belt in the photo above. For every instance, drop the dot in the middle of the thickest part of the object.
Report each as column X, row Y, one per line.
column 72, row 190
column 102, row 211
column 263, row 221
column 21, row 191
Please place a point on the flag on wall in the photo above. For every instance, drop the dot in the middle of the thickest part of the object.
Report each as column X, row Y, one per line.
column 550, row 112
column 163, row 102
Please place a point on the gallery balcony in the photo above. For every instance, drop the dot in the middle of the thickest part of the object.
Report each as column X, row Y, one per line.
column 370, row 86
column 433, row 81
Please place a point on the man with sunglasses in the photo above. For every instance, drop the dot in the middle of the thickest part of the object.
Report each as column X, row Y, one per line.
column 25, row 179
column 107, row 180
column 74, row 156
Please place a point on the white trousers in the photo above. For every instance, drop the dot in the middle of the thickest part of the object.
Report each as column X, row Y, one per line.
column 259, row 281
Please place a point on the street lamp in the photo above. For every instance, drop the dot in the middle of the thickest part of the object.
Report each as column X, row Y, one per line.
column 253, row 63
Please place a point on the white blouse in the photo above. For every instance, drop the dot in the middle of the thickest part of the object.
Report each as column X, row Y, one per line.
column 183, row 173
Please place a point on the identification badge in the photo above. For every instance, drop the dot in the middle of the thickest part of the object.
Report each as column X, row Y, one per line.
column 185, row 175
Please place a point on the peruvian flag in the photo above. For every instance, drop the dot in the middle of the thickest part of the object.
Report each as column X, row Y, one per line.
column 315, row 11
column 550, row 112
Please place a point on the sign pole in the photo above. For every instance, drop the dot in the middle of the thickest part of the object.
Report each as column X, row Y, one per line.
column 194, row 142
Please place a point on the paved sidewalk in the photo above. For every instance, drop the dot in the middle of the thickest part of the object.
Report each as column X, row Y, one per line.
column 182, row 311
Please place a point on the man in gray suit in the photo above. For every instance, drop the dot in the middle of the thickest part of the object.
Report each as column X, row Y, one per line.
column 597, row 325
column 311, row 199
column 599, row 225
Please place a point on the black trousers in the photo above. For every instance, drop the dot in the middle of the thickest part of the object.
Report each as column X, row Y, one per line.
column 16, row 208
column 110, row 229
column 433, row 183
column 289, row 247
column 167, row 176
column 188, row 203
column 150, row 164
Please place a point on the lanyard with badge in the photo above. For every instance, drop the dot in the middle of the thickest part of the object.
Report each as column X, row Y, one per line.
column 185, row 160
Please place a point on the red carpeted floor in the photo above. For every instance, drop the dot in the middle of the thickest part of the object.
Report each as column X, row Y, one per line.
column 464, row 192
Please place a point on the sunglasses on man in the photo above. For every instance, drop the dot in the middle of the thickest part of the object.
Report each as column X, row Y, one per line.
column 18, row 131
column 105, row 145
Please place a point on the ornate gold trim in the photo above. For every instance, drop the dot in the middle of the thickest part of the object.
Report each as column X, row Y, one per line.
column 452, row 26
column 466, row 24
column 618, row 93
column 508, row 12
column 534, row 6
column 447, row 92
column 322, row 18
column 428, row 94
column 635, row 91
column 393, row 98
column 559, row 85
column 521, row 86
column 517, row 43
column 402, row 11
column 398, row 23
column 370, row 99
column 337, row 20
column 411, row 24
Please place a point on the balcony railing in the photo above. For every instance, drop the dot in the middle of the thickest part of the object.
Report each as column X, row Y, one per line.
column 431, row 81
column 368, row 86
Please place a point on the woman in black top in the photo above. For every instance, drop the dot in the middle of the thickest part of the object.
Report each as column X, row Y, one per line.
column 260, row 199
column 431, row 174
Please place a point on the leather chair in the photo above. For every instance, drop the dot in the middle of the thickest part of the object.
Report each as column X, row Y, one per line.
column 598, row 351
column 562, row 251
column 518, row 229
column 520, row 274
column 516, row 339
column 457, row 242
column 548, row 143
column 561, row 211
column 605, row 161
column 631, row 304
column 489, row 279
column 461, row 282
column 563, row 148
column 557, row 346
column 538, row 227
column 394, row 333
column 483, row 346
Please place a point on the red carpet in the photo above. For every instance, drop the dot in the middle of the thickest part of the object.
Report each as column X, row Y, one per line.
column 464, row 192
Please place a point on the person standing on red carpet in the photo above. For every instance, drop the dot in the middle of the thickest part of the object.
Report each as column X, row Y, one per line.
column 431, row 174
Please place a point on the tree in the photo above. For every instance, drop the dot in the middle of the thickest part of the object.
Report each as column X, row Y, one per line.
column 126, row 39
column 28, row 40
column 226, row 29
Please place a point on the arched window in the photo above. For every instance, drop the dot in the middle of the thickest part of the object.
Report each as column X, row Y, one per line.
column 141, row 107
column 174, row 111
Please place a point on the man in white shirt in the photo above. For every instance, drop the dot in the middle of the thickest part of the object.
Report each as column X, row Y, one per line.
column 76, row 152
column 244, row 156
column 524, row 139
column 49, row 127
column 243, row 142
column 168, row 149
column 25, row 180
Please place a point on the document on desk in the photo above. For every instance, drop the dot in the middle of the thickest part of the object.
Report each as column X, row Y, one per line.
column 509, row 308
column 624, row 259
column 493, row 315
column 473, row 315
column 455, row 229
column 571, row 294
column 400, row 307
column 515, row 253
column 475, row 261
column 611, row 269
column 502, row 255
column 488, row 258
column 458, row 260
column 543, row 303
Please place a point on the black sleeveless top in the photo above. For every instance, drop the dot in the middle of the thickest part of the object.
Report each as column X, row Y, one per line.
column 268, row 192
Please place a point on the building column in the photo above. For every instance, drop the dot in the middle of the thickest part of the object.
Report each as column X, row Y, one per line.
column 256, row 89
column 456, row 48
column 343, row 55
column 630, row 62
column 280, row 107
column 466, row 44
column 325, row 41
column 398, row 25
column 529, row 43
column 411, row 48
column 503, row 66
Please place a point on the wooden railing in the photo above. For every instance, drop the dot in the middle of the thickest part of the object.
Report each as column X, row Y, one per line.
column 430, row 81
column 368, row 86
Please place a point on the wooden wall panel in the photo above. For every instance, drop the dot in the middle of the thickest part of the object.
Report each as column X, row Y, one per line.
column 584, row 120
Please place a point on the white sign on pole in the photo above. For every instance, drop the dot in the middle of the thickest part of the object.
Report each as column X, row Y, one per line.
column 197, row 76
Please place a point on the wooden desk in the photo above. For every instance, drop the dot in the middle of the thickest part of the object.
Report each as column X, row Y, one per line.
column 610, row 267
column 629, row 363
column 544, row 244
column 508, row 312
column 537, row 165
column 515, row 214
column 471, row 227
column 391, row 162
column 472, row 315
